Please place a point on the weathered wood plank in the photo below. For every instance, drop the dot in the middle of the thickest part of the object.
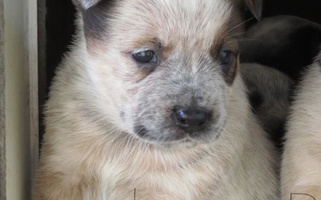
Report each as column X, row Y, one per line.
column 2, row 111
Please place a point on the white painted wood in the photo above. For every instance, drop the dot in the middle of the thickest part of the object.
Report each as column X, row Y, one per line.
column 2, row 113
column 32, row 38
column 21, row 88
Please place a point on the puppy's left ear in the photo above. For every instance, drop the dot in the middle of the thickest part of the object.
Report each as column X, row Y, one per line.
column 85, row 4
column 255, row 6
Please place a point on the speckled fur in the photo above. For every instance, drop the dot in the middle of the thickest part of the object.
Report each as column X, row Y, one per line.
column 90, row 149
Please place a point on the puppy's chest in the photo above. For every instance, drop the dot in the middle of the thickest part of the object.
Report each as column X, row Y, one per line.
column 185, row 184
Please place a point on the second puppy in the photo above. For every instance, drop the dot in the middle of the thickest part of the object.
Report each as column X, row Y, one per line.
column 301, row 166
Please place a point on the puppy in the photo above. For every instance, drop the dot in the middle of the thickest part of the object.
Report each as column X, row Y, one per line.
column 149, row 105
column 287, row 43
column 301, row 165
column 269, row 93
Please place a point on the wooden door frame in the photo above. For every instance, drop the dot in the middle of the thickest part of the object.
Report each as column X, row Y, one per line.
column 2, row 113
column 27, row 53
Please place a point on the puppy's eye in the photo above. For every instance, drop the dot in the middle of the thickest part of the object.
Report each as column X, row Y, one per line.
column 226, row 57
column 144, row 57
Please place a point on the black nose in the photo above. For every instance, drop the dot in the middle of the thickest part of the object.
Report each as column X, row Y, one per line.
column 191, row 119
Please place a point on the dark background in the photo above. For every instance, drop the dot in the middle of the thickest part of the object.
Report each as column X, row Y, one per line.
column 60, row 27
column 309, row 9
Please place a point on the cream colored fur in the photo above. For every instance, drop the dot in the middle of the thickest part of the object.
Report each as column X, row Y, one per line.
column 88, row 158
column 301, row 167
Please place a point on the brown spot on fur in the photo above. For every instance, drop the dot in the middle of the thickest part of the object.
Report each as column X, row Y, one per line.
column 167, row 50
column 230, row 31
column 231, row 74
column 142, row 70
column 227, row 39
column 145, row 41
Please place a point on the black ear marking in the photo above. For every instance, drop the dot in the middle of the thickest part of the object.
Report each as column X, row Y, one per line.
column 85, row 4
column 255, row 6
column 96, row 17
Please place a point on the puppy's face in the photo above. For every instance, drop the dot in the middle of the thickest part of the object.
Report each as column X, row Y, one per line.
column 163, row 67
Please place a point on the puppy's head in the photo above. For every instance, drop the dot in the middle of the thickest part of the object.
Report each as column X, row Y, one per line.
column 163, row 67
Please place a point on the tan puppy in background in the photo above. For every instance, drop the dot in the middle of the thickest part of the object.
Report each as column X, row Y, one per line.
column 149, row 106
column 301, row 167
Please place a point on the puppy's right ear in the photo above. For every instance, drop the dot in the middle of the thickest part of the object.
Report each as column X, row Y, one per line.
column 85, row 4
